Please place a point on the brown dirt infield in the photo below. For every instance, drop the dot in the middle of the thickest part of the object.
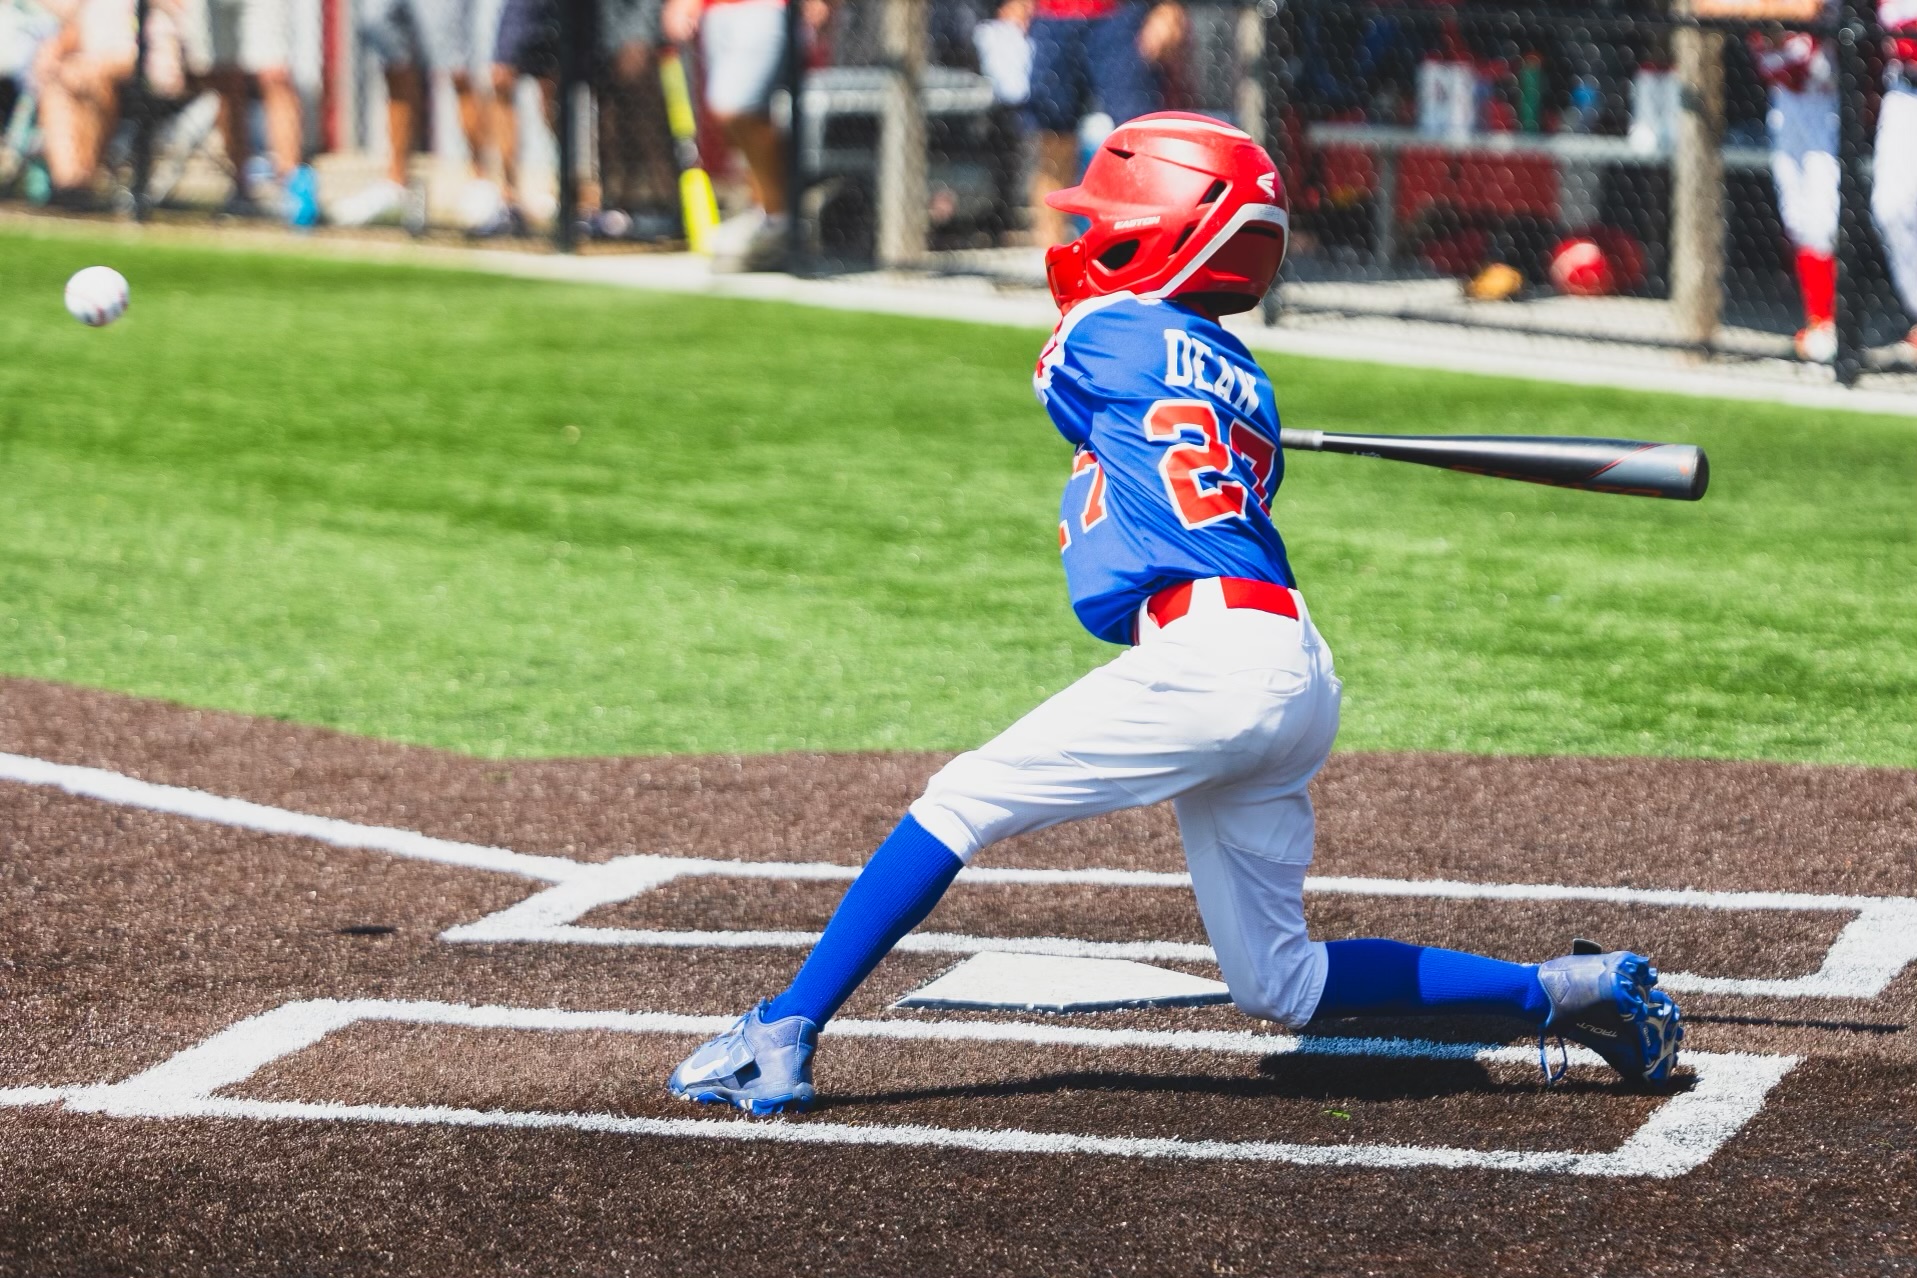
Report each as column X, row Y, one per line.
column 132, row 934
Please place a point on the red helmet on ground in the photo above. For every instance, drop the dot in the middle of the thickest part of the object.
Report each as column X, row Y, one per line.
column 1579, row 267
column 1179, row 205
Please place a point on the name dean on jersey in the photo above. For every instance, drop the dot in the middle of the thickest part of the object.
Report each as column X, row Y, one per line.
column 1186, row 360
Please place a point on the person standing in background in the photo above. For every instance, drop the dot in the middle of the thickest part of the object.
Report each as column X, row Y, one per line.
column 233, row 45
column 79, row 73
column 1797, row 71
column 1893, row 197
column 634, row 144
column 527, row 43
column 412, row 39
column 1087, row 52
column 742, row 48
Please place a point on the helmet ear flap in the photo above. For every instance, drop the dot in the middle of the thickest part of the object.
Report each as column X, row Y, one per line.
column 1065, row 273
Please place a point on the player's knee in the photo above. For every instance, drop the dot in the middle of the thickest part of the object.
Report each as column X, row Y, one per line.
column 947, row 826
column 955, row 810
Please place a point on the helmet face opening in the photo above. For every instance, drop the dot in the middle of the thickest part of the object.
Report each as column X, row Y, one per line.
column 1177, row 204
column 1119, row 255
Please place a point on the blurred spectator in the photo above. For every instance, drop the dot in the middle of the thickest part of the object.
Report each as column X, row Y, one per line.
column 1004, row 45
column 634, row 145
column 413, row 38
column 24, row 24
column 1086, row 54
column 742, row 47
column 1893, row 200
column 527, row 43
column 1802, row 122
column 234, row 47
column 1797, row 71
column 79, row 74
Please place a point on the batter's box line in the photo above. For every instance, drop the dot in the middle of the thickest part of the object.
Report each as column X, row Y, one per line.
column 1871, row 950
column 1677, row 1137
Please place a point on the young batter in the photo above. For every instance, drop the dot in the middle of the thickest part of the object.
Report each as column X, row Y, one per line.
column 1226, row 703
column 1798, row 72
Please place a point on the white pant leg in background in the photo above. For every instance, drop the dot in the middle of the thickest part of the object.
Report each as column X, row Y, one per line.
column 1803, row 129
column 743, row 43
column 1229, row 712
column 252, row 35
column 1893, row 197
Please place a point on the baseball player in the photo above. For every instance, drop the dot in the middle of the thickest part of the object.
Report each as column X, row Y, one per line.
column 1798, row 71
column 1226, row 701
column 1893, row 196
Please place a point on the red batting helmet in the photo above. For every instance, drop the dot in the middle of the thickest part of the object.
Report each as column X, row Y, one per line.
column 1179, row 204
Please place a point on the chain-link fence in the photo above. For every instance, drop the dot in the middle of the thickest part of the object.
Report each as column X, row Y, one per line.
column 1011, row 98
column 1735, row 177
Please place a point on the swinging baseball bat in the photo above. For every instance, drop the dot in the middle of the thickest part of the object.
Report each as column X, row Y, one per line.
column 1629, row 466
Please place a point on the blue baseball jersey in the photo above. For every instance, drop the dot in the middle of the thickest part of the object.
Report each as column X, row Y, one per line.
column 1177, row 456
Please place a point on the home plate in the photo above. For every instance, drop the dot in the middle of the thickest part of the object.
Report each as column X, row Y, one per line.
column 1047, row 983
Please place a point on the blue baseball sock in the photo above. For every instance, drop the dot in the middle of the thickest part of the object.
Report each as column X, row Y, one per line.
column 892, row 895
column 1390, row 978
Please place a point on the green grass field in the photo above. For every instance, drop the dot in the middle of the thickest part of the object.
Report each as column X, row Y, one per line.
column 524, row 519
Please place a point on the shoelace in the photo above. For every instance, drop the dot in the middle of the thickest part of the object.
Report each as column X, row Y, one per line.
column 1553, row 1077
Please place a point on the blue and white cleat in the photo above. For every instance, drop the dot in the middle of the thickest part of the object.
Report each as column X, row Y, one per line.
column 759, row 1066
column 1606, row 1002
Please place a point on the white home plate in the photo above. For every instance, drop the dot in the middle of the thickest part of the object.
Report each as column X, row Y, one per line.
column 1048, row 983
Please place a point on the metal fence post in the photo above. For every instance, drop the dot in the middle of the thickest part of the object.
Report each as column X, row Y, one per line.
column 1248, row 95
column 1697, row 186
column 1853, row 199
column 572, row 35
column 1271, row 77
column 142, row 113
column 904, row 199
column 798, row 180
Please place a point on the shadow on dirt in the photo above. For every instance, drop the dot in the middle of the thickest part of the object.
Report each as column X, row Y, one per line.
column 1282, row 1077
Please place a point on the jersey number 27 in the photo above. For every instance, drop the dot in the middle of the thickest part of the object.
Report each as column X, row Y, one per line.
column 1197, row 470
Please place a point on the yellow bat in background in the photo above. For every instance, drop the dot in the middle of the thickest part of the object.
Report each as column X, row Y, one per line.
column 697, row 205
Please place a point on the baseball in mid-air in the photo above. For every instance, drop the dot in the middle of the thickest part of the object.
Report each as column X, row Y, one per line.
column 97, row 296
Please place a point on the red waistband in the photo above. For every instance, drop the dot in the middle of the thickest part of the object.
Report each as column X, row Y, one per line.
column 1173, row 602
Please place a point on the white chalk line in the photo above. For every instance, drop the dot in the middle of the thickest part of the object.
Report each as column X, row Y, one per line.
column 129, row 792
column 1870, row 951
column 1679, row 1136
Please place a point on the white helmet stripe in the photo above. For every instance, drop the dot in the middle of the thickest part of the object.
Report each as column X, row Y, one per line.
column 1173, row 126
column 1264, row 214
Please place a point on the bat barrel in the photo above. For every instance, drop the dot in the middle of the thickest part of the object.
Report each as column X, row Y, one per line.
column 1629, row 466
column 1679, row 471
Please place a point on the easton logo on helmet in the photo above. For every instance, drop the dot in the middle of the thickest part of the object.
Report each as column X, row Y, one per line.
column 1179, row 205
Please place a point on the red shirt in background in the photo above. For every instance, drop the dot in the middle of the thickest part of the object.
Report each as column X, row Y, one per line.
column 1074, row 9
column 1899, row 19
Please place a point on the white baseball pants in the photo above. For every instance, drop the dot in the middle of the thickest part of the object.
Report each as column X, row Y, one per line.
column 1226, row 712
column 1803, row 129
column 1893, row 197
